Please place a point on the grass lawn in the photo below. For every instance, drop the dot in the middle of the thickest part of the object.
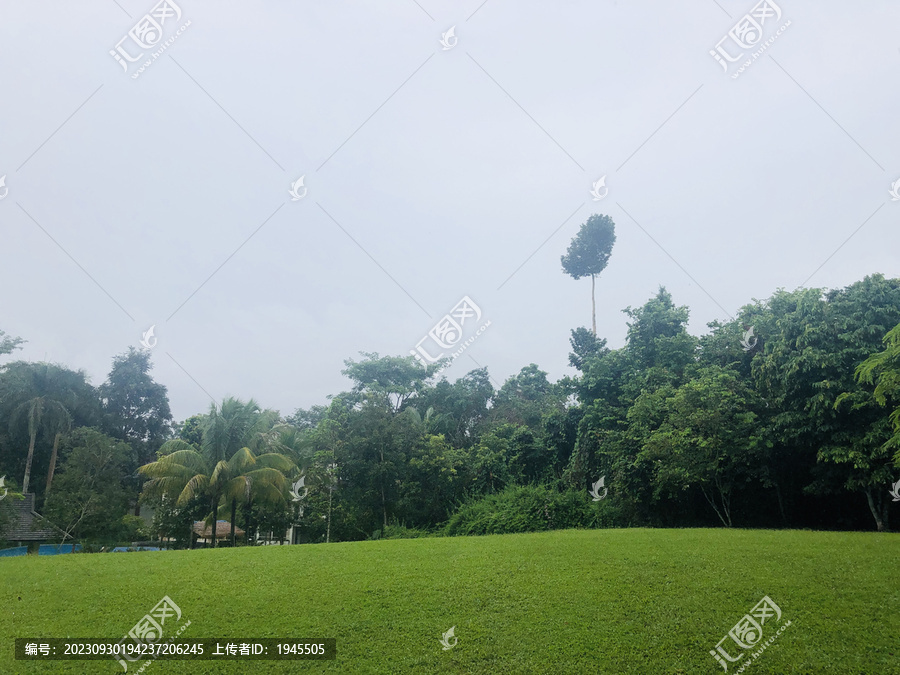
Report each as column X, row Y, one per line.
column 576, row 601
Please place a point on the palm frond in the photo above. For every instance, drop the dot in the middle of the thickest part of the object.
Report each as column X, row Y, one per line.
column 237, row 488
column 266, row 493
column 268, row 476
column 195, row 486
column 174, row 471
column 242, row 460
column 221, row 473
column 188, row 458
column 175, row 445
column 273, row 460
column 163, row 485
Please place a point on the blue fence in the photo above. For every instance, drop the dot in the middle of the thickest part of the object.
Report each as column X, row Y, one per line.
column 57, row 549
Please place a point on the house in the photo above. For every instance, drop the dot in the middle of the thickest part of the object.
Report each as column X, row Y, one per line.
column 202, row 532
column 25, row 526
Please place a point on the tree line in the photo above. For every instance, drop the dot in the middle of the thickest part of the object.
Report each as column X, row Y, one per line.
column 786, row 416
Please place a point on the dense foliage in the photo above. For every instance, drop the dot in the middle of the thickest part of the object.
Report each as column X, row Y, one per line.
column 786, row 416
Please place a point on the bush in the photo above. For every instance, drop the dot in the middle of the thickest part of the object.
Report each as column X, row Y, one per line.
column 610, row 513
column 133, row 527
column 523, row 508
column 396, row 531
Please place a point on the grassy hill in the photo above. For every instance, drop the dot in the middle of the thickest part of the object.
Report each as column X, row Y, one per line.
column 597, row 601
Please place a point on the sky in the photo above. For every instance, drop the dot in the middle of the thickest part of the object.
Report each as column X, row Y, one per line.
column 446, row 151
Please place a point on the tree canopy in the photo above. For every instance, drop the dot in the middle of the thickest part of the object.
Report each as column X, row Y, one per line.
column 799, row 427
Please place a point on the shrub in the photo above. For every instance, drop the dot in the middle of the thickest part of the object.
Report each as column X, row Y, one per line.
column 132, row 528
column 522, row 508
column 396, row 531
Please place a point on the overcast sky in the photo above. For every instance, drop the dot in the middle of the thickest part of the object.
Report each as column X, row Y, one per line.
column 431, row 171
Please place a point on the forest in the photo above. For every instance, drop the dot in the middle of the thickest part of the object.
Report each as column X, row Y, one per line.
column 787, row 416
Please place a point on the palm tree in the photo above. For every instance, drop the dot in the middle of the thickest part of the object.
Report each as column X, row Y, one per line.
column 225, row 466
column 299, row 445
column 34, row 411
column 61, row 425
column 291, row 441
column 233, row 426
column 188, row 473
column 255, row 478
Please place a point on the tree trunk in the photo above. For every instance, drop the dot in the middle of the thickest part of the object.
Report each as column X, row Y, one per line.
column 28, row 464
column 52, row 469
column 215, row 513
column 712, row 503
column 233, row 510
column 593, row 308
column 137, row 501
column 726, row 501
column 383, row 502
column 251, row 525
column 328, row 527
column 873, row 507
column 784, row 519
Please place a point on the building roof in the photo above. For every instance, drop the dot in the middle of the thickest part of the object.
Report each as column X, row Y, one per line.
column 27, row 525
column 223, row 529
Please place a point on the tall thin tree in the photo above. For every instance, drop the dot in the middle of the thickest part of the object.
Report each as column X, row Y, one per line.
column 588, row 254
column 60, row 425
column 34, row 411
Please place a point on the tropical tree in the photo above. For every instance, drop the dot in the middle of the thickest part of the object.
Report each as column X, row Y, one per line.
column 60, row 424
column 234, row 425
column 191, row 430
column 708, row 440
column 20, row 384
column 247, row 477
column 296, row 444
column 327, row 441
column 585, row 345
column 459, row 410
column 91, row 497
column 384, row 427
column 36, row 412
column 434, row 483
column 391, row 381
column 491, row 461
column 191, row 474
column 526, row 397
column 588, row 254
column 226, row 466
column 658, row 338
column 883, row 370
column 137, row 408
column 308, row 419
column 815, row 341
column 622, row 393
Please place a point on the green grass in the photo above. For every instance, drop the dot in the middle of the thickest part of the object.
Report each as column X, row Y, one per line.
column 576, row 601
